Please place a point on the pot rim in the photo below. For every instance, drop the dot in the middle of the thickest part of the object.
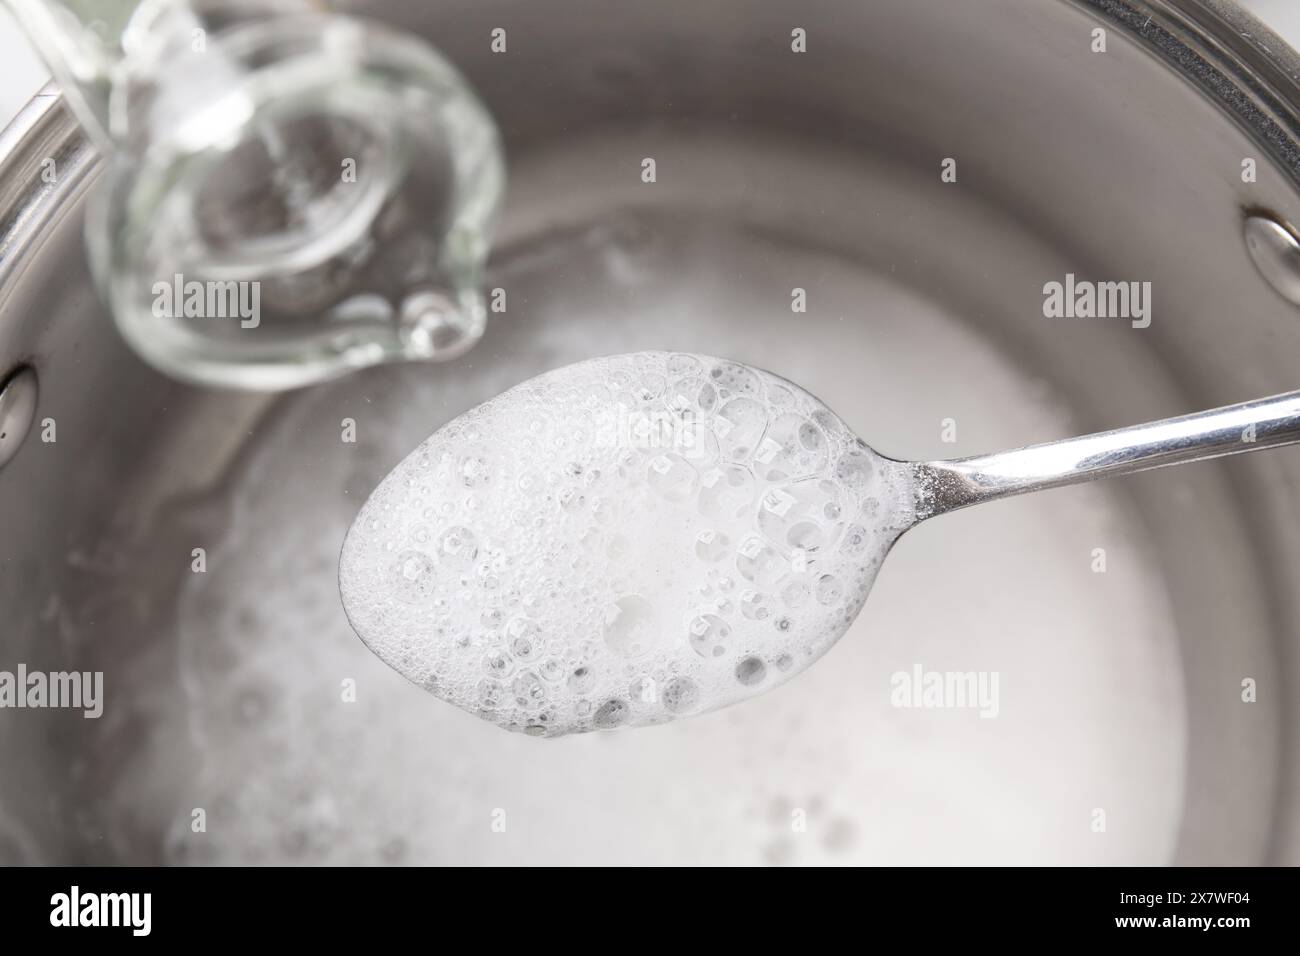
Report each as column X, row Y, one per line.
column 1233, row 58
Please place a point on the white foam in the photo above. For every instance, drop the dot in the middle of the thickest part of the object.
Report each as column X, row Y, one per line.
column 621, row 542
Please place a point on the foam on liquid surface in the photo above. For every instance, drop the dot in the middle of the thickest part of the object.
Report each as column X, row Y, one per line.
column 621, row 542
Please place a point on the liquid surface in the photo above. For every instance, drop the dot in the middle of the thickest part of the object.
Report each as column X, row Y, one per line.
column 244, row 690
column 621, row 542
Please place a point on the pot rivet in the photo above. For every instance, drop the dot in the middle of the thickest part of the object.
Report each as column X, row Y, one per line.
column 17, row 411
column 1275, row 250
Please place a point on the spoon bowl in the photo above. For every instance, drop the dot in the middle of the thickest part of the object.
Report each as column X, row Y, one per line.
column 622, row 542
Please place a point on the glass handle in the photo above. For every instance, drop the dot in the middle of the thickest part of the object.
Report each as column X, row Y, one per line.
column 81, row 41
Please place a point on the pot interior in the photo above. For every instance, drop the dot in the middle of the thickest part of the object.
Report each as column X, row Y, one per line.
column 1119, row 690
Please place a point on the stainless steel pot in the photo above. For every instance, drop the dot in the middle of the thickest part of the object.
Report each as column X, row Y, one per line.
column 244, row 722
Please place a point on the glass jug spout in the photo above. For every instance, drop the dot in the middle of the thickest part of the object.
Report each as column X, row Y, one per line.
column 290, row 193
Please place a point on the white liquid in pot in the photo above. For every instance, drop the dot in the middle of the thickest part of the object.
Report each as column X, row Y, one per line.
column 303, row 746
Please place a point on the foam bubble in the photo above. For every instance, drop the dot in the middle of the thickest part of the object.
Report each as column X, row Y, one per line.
column 621, row 542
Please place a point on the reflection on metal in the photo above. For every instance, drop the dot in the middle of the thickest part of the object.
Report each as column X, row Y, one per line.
column 17, row 411
column 1275, row 250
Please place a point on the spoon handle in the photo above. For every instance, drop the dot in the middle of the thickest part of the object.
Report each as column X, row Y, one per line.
column 1263, row 423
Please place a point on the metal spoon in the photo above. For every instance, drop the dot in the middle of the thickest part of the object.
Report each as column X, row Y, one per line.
column 638, row 538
